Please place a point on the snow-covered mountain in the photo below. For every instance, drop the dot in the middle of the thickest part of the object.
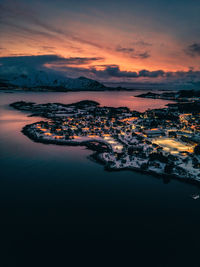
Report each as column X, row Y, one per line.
column 42, row 79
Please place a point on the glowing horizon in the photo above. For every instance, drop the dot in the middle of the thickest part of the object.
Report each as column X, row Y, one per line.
column 132, row 36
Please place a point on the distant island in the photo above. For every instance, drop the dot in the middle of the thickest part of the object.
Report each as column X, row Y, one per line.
column 44, row 81
column 180, row 96
column 163, row 142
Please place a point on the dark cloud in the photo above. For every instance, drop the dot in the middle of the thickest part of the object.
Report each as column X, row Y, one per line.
column 28, row 61
column 190, row 75
column 131, row 52
column 125, row 49
column 193, row 50
column 151, row 74
column 144, row 55
column 29, row 64
column 114, row 71
column 74, row 67
column 44, row 59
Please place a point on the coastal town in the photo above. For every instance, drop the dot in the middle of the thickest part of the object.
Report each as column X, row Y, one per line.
column 163, row 142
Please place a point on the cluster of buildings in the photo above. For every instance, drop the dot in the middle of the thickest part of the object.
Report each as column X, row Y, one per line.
column 160, row 141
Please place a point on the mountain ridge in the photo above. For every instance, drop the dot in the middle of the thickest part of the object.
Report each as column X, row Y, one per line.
column 42, row 79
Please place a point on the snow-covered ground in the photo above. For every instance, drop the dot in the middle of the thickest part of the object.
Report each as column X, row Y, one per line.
column 127, row 145
column 40, row 78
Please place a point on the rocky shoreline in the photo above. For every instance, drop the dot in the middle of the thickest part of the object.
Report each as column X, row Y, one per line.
column 166, row 177
column 88, row 144
column 99, row 159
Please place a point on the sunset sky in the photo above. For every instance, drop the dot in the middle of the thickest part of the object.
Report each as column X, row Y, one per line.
column 111, row 40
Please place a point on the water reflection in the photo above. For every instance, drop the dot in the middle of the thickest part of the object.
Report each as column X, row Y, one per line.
column 114, row 99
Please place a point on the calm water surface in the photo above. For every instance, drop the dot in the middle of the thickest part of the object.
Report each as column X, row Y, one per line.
column 57, row 206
